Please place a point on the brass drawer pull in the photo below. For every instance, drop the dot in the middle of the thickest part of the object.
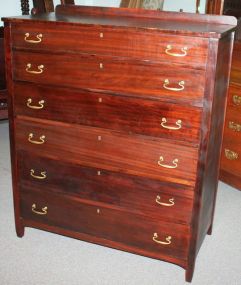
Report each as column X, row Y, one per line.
column 168, row 239
column 231, row 155
column 43, row 174
column 235, row 127
column 39, row 71
column 40, row 103
column 181, row 84
column 158, row 200
column 237, row 100
column 39, row 39
column 183, row 50
column 178, row 123
column 41, row 139
column 44, row 210
column 161, row 159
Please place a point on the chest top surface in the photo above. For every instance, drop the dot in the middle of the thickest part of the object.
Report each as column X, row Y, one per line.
column 210, row 26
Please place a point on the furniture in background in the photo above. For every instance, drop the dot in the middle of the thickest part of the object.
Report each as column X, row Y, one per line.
column 42, row 6
column 3, row 91
column 219, row 7
column 25, row 7
column 230, row 170
column 39, row 6
column 143, row 124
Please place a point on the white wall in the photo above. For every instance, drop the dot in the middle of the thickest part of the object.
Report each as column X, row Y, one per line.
column 13, row 7
column 169, row 5
column 186, row 5
column 104, row 3
column 10, row 8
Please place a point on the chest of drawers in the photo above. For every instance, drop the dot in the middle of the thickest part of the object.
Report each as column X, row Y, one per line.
column 231, row 152
column 116, row 120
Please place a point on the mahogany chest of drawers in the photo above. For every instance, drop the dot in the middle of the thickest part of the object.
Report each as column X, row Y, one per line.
column 116, row 121
column 230, row 171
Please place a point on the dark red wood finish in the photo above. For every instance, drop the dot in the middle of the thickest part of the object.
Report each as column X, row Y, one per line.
column 103, row 73
column 98, row 169
column 108, row 224
column 124, row 113
column 16, row 198
column 206, row 188
column 103, row 148
column 111, row 189
column 122, row 43
column 146, row 17
column 230, row 172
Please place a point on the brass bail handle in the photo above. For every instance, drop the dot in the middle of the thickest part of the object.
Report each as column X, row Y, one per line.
column 42, row 176
column 38, row 40
column 40, row 141
column 168, row 239
column 231, row 155
column 237, row 100
column 182, row 54
column 234, row 126
column 176, row 89
column 178, row 125
column 43, row 211
column 36, row 107
column 174, row 162
column 170, row 204
column 39, row 67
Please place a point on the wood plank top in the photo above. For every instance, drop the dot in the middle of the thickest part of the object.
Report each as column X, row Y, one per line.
column 210, row 26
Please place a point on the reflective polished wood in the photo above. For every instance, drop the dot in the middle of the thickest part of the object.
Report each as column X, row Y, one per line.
column 131, row 160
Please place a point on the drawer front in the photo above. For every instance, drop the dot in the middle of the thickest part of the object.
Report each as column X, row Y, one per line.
column 113, row 41
column 139, row 155
column 232, row 129
column 231, row 156
column 138, row 78
column 117, row 226
column 234, row 97
column 236, row 63
column 134, row 194
column 130, row 115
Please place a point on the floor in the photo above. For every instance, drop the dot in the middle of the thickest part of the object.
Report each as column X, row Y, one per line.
column 43, row 258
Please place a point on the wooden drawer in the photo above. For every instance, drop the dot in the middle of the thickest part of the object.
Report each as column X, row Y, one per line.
column 233, row 124
column 231, row 156
column 234, row 97
column 116, row 42
column 130, row 115
column 139, row 78
column 134, row 194
column 116, row 226
column 139, row 155
column 236, row 64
